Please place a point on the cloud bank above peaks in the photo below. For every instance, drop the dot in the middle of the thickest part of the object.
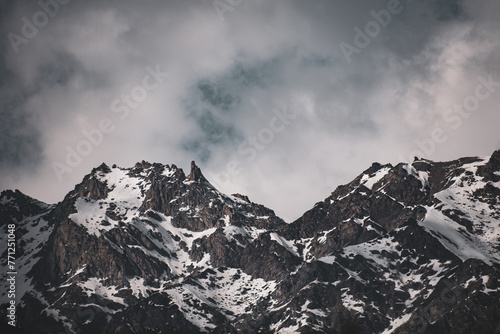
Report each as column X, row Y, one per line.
column 233, row 68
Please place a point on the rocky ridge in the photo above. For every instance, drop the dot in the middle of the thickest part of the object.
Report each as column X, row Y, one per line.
column 401, row 249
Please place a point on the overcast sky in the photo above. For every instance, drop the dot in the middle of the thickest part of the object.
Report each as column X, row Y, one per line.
column 279, row 100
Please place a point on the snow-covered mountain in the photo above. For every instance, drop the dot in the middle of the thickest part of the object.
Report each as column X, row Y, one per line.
column 411, row 248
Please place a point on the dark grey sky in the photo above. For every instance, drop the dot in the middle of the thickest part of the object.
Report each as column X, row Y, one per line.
column 279, row 100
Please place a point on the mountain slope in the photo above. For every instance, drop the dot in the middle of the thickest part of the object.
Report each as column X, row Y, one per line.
column 406, row 248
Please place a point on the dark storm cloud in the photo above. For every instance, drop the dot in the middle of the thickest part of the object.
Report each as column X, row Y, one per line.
column 445, row 10
column 216, row 104
column 20, row 144
column 58, row 71
column 227, row 80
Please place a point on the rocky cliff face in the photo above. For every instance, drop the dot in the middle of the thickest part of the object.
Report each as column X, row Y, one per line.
column 411, row 248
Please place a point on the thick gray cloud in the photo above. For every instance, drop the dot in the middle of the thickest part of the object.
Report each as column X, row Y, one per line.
column 260, row 93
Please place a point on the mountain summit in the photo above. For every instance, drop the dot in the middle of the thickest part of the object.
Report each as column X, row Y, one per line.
column 411, row 248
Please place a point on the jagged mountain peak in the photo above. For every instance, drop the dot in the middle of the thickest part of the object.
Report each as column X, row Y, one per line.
column 14, row 205
column 8, row 196
column 195, row 174
column 103, row 179
column 191, row 201
column 150, row 247
column 385, row 197
column 491, row 170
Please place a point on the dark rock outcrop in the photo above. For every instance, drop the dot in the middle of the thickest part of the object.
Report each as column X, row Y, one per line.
column 404, row 249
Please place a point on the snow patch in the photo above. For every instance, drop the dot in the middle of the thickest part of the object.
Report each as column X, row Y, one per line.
column 90, row 214
column 456, row 239
column 395, row 323
column 95, row 286
column 138, row 287
column 422, row 176
column 369, row 180
column 288, row 245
